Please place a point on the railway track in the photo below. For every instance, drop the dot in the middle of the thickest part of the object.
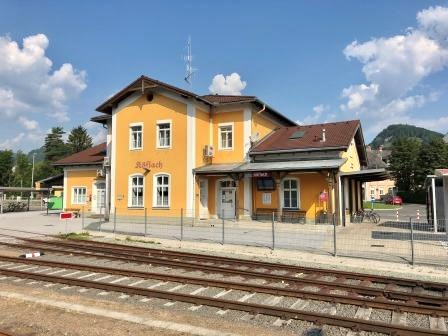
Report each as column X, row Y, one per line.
column 280, row 281
column 318, row 318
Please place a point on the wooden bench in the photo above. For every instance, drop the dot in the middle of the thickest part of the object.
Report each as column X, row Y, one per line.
column 294, row 216
column 263, row 213
column 76, row 211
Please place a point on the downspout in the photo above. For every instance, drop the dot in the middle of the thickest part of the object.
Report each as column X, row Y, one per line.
column 108, row 186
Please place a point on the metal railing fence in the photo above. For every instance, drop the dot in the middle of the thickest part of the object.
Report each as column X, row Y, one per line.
column 410, row 241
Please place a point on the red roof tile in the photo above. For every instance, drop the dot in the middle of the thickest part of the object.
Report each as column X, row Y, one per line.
column 90, row 156
column 337, row 134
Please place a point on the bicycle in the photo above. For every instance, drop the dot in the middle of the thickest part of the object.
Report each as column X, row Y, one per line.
column 371, row 215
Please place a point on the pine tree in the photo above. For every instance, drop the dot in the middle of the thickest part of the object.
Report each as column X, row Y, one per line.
column 404, row 163
column 432, row 156
column 55, row 148
column 79, row 140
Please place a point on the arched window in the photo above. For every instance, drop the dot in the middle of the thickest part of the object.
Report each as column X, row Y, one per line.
column 162, row 187
column 291, row 194
column 136, row 191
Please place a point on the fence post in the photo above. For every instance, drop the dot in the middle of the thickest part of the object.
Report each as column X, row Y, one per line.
column 82, row 217
column 334, row 235
column 273, row 230
column 181, row 224
column 222, row 218
column 101, row 213
column 412, row 240
column 115, row 219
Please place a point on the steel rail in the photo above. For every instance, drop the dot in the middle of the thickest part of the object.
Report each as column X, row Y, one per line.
column 388, row 294
column 262, row 264
column 379, row 302
column 284, row 313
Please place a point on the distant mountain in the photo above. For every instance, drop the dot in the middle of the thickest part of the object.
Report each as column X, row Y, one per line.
column 393, row 132
column 40, row 155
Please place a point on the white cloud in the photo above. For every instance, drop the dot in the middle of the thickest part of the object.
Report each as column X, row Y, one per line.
column 228, row 85
column 28, row 124
column 12, row 143
column 29, row 85
column 96, row 131
column 319, row 114
column 395, row 68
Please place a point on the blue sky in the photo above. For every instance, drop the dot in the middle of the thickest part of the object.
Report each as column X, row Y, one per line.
column 313, row 61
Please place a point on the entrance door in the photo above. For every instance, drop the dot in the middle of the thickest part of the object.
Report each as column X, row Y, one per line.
column 100, row 197
column 227, row 197
column 203, row 199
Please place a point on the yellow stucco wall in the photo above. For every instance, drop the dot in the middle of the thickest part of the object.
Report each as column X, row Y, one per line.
column 351, row 154
column 80, row 178
column 202, row 136
column 237, row 153
column 262, row 125
column 172, row 161
column 310, row 187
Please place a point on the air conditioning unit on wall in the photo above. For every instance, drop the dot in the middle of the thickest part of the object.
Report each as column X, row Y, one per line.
column 209, row 151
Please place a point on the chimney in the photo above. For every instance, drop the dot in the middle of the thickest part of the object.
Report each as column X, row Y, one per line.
column 323, row 135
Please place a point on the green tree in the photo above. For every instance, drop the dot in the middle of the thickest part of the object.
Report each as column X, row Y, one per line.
column 6, row 167
column 432, row 156
column 22, row 170
column 79, row 140
column 404, row 163
column 55, row 148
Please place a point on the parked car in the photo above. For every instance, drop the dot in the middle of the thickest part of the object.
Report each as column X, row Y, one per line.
column 394, row 200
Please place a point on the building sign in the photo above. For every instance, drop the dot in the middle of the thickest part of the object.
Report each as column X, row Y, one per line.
column 149, row 164
column 261, row 174
column 266, row 198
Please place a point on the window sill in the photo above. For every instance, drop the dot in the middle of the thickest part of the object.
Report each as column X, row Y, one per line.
column 135, row 208
column 135, row 149
column 225, row 149
column 161, row 207
column 164, row 147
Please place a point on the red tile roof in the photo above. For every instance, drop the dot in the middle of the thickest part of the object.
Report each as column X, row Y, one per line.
column 337, row 134
column 226, row 99
column 90, row 156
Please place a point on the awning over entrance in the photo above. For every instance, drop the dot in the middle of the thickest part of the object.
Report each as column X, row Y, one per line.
column 248, row 167
column 368, row 175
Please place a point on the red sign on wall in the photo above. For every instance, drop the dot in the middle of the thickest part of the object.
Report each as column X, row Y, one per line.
column 66, row 215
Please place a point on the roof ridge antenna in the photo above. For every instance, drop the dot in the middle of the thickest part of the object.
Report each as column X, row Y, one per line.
column 189, row 69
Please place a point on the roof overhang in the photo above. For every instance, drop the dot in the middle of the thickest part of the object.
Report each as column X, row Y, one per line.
column 367, row 175
column 102, row 119
column 248, row 167
column 297, row 150
column 441, row 172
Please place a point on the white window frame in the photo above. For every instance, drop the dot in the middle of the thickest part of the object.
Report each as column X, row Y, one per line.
column 220, row 126
column 381, row 191
column 130, row 205
column 130, row 136
column 290, row 189
column 160, row 122
column 75, row 201
column 372, row 192
column 154, row 197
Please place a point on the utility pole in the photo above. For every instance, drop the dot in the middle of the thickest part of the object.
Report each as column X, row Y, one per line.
column 32, row 177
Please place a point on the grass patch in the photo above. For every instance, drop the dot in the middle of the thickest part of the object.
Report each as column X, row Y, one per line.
column 134, row 240
column 75, row 235
column 380, row 206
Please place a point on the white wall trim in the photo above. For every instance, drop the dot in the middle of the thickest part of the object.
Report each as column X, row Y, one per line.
column 154, row 190
column 113, row 168
column 65, row 189
column 191, row 155
column 247, row 131
column 130, row 190
column 247, row 196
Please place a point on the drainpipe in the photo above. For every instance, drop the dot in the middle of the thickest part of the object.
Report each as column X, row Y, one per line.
column 108, row 186
column 262, row 110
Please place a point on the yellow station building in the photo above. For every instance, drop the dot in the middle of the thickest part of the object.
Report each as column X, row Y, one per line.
column 170, row 150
